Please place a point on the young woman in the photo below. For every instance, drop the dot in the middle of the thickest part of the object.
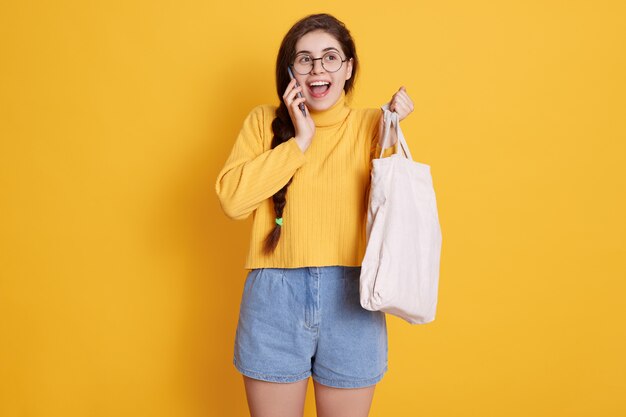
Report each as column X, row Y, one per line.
column 302, row 169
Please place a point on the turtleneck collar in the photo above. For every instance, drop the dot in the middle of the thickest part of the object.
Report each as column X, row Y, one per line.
column 333, row 115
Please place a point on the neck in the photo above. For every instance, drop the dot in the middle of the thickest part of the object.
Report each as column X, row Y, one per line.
column 333, row 115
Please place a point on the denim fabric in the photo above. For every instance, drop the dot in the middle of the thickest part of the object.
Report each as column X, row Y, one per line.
column 301, row 322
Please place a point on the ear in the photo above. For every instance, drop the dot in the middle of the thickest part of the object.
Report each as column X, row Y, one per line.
column 349, row 70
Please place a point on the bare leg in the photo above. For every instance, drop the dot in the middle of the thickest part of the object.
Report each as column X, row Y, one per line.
column 272, row 399
column 343, row 402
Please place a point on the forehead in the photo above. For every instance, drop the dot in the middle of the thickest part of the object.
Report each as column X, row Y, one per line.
column 316, row 41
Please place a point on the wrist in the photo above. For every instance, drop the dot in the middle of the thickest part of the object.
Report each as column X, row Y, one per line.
column 303, row 143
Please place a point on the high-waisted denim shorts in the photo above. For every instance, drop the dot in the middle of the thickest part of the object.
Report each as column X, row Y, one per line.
column 301, row 322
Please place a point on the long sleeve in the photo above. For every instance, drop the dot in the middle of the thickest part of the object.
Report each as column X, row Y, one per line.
column 252, row 174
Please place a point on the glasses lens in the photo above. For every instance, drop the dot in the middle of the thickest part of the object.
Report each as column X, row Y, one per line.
column 303, row 64
column 331, row 61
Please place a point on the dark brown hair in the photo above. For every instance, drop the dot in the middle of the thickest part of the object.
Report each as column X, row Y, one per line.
column 282, row 126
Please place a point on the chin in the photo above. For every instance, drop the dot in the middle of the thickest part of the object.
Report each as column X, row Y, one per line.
column 325, row 104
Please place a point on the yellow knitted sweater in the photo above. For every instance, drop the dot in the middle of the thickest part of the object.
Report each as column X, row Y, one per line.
column 325, row 215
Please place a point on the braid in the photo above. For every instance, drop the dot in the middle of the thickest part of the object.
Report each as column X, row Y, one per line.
column 282, row 125
column 283, row 129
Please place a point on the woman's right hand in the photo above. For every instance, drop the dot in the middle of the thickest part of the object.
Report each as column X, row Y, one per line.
column 304, row 126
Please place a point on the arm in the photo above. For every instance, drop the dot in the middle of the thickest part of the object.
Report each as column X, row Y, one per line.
column 252, row 175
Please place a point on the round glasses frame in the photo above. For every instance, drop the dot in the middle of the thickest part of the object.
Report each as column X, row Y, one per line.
column 319, row 59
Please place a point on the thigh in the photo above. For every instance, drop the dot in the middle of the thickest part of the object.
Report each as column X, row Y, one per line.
column 271, row 399
column 343, row 402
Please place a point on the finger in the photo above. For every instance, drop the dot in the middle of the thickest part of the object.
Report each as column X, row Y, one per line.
column 295, row 106
column 291, row 95
column 403, row 93
column 401, row 109
column 404, row 98
column 392, row 105
column 395, row 98
column 395, row 105
column 408, row 99
column 290, row 86
column 406, row 102
column 300, row 100
column 297, row 101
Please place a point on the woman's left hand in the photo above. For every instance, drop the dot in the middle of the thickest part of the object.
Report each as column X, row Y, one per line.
column 401, row 103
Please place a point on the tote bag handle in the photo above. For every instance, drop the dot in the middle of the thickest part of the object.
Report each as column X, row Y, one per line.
column 391, row 120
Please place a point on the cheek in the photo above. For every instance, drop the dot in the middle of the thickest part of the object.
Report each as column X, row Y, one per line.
column 340, row 77
column 339, row 82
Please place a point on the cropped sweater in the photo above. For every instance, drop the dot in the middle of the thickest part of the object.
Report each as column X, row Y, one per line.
column 326, row 203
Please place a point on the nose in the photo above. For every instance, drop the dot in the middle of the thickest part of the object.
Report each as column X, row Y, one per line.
column 317, row 66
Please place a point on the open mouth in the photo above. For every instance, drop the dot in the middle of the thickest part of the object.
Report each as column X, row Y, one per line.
column 319, row 89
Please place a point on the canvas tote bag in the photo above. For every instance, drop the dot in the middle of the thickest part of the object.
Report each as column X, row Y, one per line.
column 400, row 268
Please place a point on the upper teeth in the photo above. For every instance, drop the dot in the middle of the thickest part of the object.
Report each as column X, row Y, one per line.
column 319, row 83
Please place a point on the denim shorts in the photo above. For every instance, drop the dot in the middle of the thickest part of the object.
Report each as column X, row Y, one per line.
column 301, row 322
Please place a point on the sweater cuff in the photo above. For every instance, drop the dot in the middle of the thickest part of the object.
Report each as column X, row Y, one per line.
column 385, row 152
column 389, row 151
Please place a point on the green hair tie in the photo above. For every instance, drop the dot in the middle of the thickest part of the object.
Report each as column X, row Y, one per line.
column 279, row 221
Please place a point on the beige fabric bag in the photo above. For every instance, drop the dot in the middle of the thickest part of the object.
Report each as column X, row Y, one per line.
column 400, row 269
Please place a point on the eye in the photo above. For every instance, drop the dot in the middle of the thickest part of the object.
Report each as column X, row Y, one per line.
column 331, row 57
column 304, row 59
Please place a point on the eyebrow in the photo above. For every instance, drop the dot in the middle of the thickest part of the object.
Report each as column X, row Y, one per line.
column 330, row 48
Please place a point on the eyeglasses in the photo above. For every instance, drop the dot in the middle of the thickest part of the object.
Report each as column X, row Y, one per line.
column 331, row 62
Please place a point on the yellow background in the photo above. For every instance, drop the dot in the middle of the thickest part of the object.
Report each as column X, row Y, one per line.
column 121, row 277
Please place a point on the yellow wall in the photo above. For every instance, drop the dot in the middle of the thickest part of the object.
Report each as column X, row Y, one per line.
column 120, row 277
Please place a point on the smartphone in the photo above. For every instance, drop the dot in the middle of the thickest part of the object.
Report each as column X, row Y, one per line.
column 299, row 93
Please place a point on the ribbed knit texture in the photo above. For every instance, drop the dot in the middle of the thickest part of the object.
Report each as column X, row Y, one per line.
column 325, row 215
